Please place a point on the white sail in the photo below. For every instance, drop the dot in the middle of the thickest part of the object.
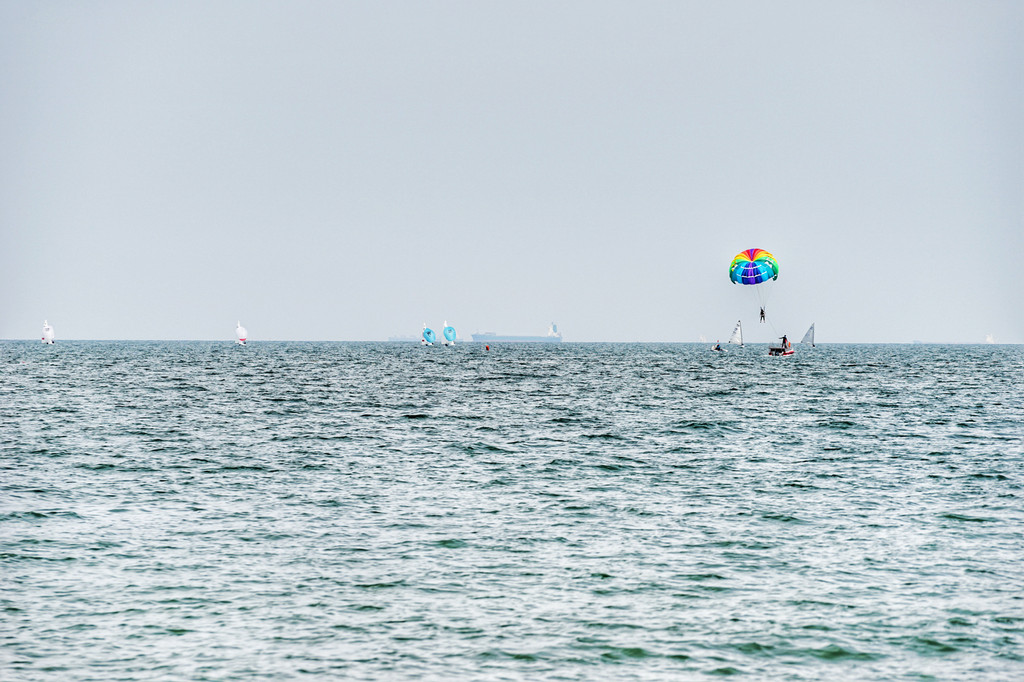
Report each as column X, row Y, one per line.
column 809, row 336
column 241, row 334
column 47, row 332
column 737, row 333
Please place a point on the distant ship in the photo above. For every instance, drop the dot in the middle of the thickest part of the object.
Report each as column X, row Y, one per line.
column 553, row 336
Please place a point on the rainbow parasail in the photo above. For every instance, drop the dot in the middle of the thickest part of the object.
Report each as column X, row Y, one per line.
column 753, row 266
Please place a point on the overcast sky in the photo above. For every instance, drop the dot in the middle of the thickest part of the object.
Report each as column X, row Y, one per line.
column 349, row 171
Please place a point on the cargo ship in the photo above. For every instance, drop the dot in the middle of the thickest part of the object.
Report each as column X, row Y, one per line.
column 553, row 336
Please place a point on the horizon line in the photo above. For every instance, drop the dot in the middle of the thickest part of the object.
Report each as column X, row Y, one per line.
column 519, row 343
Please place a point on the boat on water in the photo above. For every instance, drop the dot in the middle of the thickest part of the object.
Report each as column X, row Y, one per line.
column 241, row 335
column 47, row 333
column 553, row 336
column 737, row 334
column 449, row 334
column 428, row 336
column 809, row 336
column 783, row 348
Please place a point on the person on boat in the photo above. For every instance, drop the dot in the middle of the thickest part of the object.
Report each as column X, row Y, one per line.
column 718, row 345
column 785, row 341
column 762, row 314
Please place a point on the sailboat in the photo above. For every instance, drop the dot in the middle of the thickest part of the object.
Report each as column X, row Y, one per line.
column 809, row 336
column 449, row 334
column 241, row 335
column 737, row 334
column 47, row 333
column 428, row 336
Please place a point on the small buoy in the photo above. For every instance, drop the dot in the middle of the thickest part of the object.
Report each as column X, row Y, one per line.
column 487, row 347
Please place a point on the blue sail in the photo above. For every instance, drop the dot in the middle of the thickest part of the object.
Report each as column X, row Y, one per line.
column 449, row 334
column 428, row 335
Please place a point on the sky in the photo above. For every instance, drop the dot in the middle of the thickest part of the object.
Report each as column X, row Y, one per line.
column 353, row 170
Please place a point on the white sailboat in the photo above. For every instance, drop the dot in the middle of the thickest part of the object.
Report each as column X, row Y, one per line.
column 737, row 334
column 809, row 336
column 241, row 335
column 47, row 332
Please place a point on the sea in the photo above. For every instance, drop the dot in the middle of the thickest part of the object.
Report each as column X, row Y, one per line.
column 385, row 511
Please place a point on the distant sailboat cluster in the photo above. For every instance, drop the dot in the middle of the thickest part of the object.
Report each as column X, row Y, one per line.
column 428, row 338
column 449, row 336
column 447, row 333
column 782, row 348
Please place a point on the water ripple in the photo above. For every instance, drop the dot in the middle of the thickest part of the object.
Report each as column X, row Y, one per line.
column 205, row 511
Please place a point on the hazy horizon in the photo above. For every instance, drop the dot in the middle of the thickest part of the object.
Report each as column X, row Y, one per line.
column 414, row 340
column 346, row 171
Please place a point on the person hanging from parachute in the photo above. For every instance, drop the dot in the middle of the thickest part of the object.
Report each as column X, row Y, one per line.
column 757, row 269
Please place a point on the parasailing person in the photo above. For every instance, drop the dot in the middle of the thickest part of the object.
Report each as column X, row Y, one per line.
column 758, row 269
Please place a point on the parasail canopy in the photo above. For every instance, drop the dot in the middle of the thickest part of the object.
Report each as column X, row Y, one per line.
column 753, row 266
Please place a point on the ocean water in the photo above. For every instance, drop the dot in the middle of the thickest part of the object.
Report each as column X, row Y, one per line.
column 203, row 511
